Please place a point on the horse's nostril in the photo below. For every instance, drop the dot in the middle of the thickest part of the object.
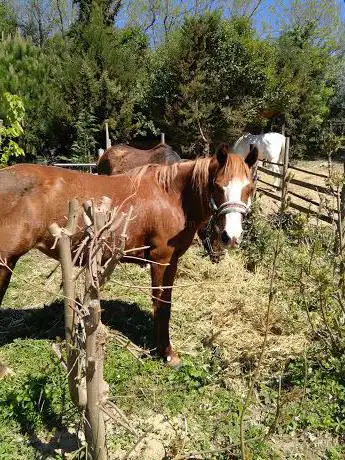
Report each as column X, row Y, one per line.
column 225, row 237
column 233, row 242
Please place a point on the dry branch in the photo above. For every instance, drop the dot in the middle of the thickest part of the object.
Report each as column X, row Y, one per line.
column 263, row 346
column 101, row 248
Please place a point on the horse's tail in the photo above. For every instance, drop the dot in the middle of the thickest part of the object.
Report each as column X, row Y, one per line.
column 104, row 166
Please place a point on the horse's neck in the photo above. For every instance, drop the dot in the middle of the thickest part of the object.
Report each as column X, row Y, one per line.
column 195, row 202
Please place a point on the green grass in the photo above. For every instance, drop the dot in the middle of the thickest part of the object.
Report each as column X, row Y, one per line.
column 34, row 401
column 216, row 325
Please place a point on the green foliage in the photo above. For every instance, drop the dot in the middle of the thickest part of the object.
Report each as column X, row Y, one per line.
column 26, row 70
column 324, row 402
column 309, row 272
column 37, row 398
column 209, row 81
column 108, row 8
column 12, row 115
column 84, row 144
column 8, row 20
column 301, row 87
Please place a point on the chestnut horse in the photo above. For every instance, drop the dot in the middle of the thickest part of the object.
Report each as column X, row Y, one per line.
column 170, row 204
column 121, row 158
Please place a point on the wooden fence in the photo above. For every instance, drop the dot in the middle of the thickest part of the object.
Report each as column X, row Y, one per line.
column 286, row 195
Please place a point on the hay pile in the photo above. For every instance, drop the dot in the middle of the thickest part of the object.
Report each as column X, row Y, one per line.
column 219, row 305
column 227, row 308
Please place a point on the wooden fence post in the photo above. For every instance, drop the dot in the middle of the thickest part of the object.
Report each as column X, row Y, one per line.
column 76, row 382
column 97, row 388
column 107, row 138
column 85, row 333
column 284, row 184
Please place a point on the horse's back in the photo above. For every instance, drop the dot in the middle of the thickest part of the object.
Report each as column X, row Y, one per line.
column 122, row 158
column 272, row 139
column 269, row 145
column 16, row 184
column 164, row 154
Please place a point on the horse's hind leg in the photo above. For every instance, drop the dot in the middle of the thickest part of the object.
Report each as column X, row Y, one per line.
column 6, row 269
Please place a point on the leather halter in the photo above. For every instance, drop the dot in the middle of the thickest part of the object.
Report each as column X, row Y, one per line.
column 217, row 211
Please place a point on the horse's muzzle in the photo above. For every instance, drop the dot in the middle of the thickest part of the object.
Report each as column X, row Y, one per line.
column 232, row 242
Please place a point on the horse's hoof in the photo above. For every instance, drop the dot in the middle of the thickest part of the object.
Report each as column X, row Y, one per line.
column 173, row 361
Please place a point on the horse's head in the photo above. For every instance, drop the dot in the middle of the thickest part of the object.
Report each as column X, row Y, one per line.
column 231, row 183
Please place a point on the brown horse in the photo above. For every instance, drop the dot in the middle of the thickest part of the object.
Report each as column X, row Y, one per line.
column 170, row 204
column 121, row 158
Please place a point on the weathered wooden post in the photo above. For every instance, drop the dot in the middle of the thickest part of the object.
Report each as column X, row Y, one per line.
column 340, row 222
column 85, row 333
column 107, row 138
column 76, row 381
column 97, row 388
column 284, row 184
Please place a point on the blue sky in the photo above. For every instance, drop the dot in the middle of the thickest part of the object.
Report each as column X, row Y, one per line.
column 264, row 13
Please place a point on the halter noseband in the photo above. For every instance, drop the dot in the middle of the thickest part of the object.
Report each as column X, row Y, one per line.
column 226, row 208
column 217, row 211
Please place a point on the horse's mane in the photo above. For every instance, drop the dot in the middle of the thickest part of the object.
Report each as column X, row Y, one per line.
column 166, row 174
column 234, row 166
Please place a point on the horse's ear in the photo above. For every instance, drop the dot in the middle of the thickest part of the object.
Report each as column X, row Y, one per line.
column 252, row 156
column 222, row 154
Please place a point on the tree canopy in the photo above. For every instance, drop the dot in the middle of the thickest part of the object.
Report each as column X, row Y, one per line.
column 201, row 72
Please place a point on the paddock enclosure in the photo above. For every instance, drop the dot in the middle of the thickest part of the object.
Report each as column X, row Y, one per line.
column 218, row 326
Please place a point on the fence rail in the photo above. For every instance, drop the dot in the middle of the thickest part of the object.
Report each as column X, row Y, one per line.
column 298, row 207
column 75, row 165
column 285, row 195
column 324, row 176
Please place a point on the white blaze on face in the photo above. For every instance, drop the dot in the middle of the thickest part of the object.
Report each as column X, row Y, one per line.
column 233, row 220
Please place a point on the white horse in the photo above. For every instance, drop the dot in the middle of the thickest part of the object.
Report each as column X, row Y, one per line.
column 271, row 147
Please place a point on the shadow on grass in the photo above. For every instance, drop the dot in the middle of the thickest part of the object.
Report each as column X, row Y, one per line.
column 37, row 404
column 48, row 322
column 32, row 406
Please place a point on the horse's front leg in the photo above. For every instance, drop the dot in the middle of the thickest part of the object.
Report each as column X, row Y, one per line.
column 6, row 268
column 162, row 278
